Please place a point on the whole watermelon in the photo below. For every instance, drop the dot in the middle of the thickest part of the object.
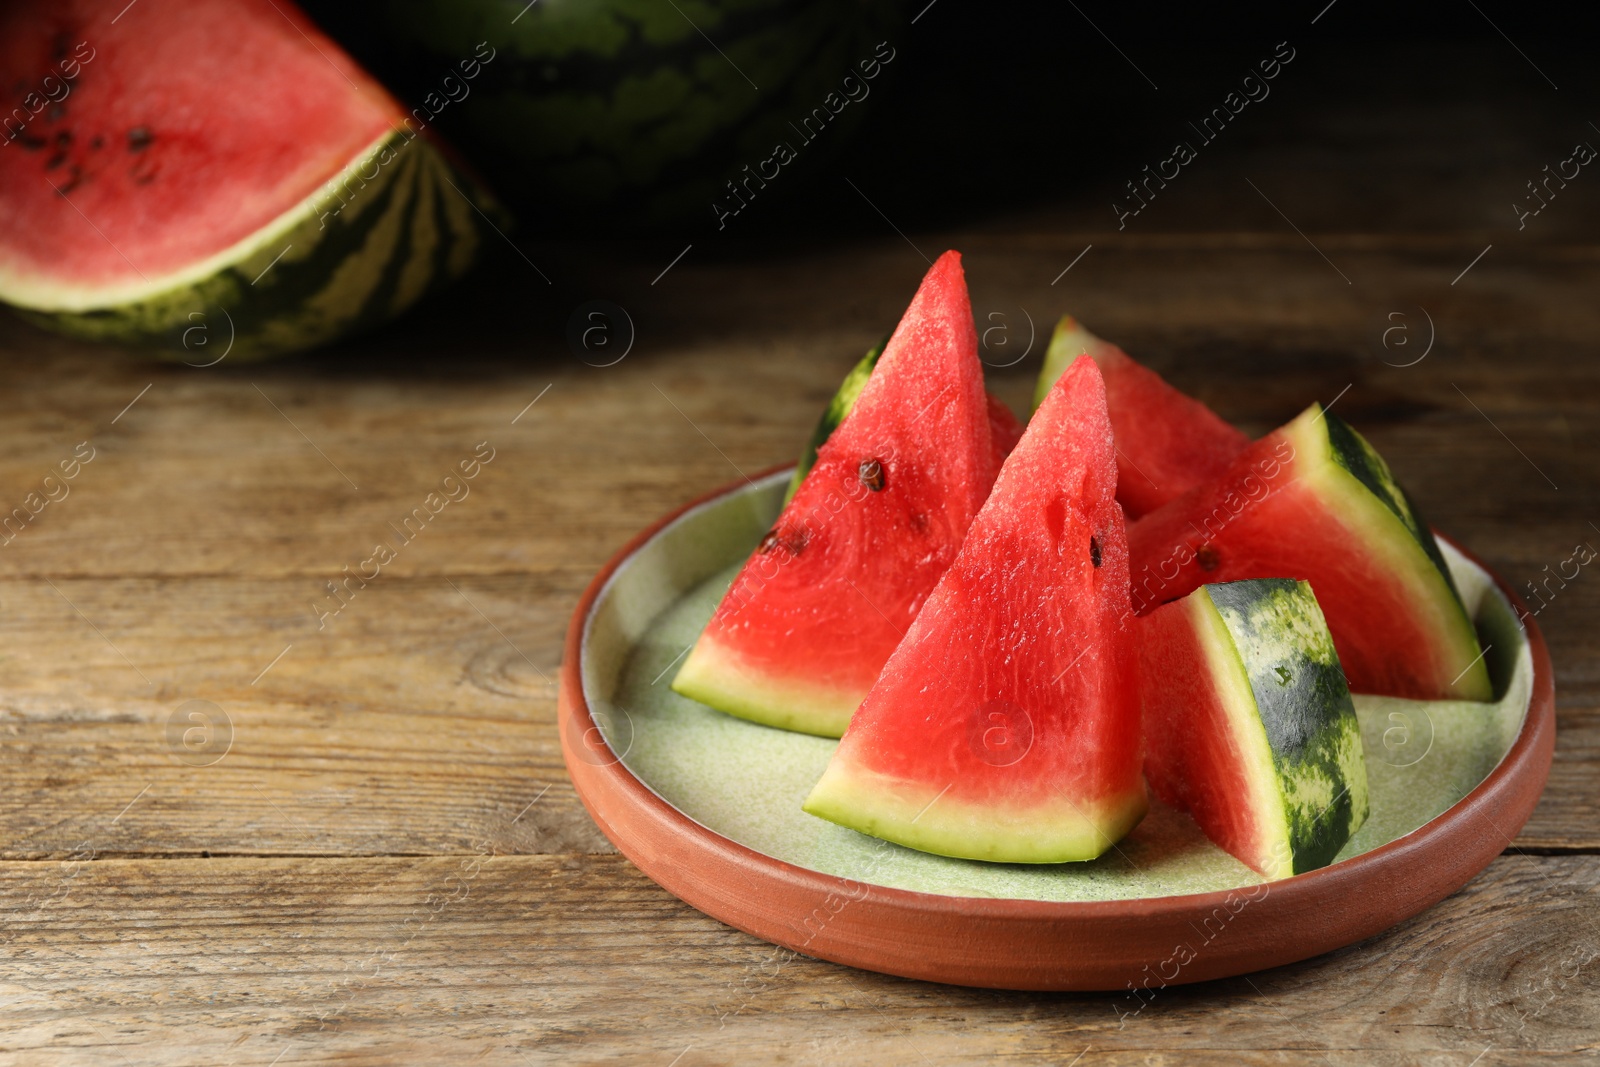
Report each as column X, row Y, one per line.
column 605, row 113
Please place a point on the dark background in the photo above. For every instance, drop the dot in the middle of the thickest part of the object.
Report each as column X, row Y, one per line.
column 1392, row 119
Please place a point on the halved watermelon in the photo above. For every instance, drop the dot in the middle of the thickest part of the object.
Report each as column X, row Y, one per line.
column 1249, row 726
column 1314, row 501
column 1006, row 725
column 1004, row 429
column 179, row 175
column 1167, row 442
column 815, row 613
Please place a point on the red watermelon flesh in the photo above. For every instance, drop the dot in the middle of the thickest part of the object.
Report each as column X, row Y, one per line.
column 1006, row 725
column 1313, row 501
column 185, row 92
column 1190, row 727
column 1167, row 442
column 1004, row 430
column 828, row 594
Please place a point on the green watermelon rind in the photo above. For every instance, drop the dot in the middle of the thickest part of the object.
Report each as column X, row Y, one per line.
column 395, row 224
column 1356, row 455
column 1362, row 493
column 833, row 415
column 712, row 676
column 1275, row 669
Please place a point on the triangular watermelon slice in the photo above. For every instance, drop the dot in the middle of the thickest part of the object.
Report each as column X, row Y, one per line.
column 1314, row 501
column 1167, row 442
column 1004, row 429
column 1006, row 725
column 815, row 613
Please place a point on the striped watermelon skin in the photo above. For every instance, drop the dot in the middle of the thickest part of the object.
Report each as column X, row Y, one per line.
column 353, row 256
column 639, row 107
column 213, row 179
column 1249, row 724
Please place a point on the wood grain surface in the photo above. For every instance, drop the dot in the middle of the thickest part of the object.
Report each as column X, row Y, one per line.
column 375, row 855
column 580, row 959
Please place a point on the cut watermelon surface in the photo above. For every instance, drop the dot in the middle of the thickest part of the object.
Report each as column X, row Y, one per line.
column 817, row 610
column 1167, row 442
column 1006, row 725
column 1249, row 725
column 172, row 162
column 1314, row 501
column 1004, row 429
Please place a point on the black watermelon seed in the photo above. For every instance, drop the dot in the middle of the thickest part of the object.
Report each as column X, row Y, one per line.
column 1094, row 551
column 139, row 139
column 871, row 474
column 1208, row 558
column 795, row 541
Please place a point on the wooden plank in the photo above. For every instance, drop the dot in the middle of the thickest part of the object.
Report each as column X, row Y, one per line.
column 198, row 544
column 1568, row 815
column 412, row 724
column 515, row 960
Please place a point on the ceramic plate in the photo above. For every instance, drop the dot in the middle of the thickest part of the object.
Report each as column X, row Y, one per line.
column 709, row 806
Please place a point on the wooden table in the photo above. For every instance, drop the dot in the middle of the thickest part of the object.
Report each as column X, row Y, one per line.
column 385, row 861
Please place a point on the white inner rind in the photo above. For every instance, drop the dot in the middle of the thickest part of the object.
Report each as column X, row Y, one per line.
column 926, row 817
column 715, row 676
